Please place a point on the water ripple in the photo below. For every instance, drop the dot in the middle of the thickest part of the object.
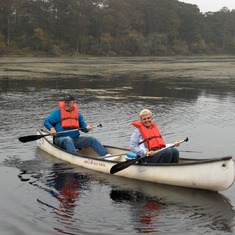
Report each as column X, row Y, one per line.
column 41, row 194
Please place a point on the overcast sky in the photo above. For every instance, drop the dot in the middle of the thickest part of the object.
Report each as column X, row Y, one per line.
column 212, row 5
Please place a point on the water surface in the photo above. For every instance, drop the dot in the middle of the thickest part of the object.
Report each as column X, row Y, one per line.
column 43, row 195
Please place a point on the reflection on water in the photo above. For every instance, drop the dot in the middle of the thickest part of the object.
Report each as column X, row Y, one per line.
column 66, row 188
column 176, row 87
column 63, row 188
column 146, row 208
column 57, row 198
column 159, row 207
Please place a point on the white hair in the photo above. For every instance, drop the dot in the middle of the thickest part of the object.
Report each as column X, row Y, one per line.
column 145, row 112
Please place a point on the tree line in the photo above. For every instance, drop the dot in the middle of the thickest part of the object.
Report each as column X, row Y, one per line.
column 114, row 28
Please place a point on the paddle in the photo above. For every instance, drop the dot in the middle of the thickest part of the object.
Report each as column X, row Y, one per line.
column 123, row 165
column 29, row 138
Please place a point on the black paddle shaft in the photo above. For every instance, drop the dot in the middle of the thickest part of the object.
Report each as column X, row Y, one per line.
column 29, row 138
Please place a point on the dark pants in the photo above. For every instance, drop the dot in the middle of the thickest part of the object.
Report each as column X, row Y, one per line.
column 170, row 155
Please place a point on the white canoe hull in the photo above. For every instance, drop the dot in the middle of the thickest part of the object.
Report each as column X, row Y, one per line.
column 215, row 174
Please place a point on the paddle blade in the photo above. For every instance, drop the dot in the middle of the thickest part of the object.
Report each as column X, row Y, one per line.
column 100, row 125
column 123, row 165
column 29, row 138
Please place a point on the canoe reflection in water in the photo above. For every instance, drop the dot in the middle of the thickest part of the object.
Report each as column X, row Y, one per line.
column 156, row 208
column 66, row 187
column 146, row 209
column 163, row 208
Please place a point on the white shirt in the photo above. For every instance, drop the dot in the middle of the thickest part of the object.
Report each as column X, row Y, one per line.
column 136, row 138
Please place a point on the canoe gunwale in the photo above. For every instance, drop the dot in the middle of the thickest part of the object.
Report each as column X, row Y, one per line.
column 215, row 174
column 191, row 161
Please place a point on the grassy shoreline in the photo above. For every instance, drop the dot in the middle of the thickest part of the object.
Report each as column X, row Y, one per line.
column 106, row 67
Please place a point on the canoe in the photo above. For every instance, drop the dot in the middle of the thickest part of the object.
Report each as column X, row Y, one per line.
column 214, row 174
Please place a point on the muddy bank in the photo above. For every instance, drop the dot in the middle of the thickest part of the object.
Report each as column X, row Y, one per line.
column 154, row 67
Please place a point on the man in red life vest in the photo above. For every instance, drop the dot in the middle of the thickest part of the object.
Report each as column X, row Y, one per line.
column 147, row 138
column 68, row 117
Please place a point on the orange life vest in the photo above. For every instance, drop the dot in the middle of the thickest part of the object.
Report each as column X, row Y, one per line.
column 68, row 119
column 151, row 136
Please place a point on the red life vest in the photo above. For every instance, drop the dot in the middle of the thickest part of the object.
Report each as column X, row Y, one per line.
column 151, row 136
column 68, row 119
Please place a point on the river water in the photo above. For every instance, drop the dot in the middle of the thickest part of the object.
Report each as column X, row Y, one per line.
column 43, row 195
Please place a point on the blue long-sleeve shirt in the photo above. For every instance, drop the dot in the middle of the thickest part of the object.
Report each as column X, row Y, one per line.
column 54, row 120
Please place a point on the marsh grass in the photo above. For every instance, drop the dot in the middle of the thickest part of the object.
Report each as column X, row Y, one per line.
column 110, row 67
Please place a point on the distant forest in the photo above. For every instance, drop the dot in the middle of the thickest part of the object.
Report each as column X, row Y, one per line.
column 113, row 28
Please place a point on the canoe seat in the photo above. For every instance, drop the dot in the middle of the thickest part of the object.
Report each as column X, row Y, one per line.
column 120, row 158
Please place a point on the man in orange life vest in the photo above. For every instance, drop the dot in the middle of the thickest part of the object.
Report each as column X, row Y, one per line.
column 147, row 138
column 68, row 117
